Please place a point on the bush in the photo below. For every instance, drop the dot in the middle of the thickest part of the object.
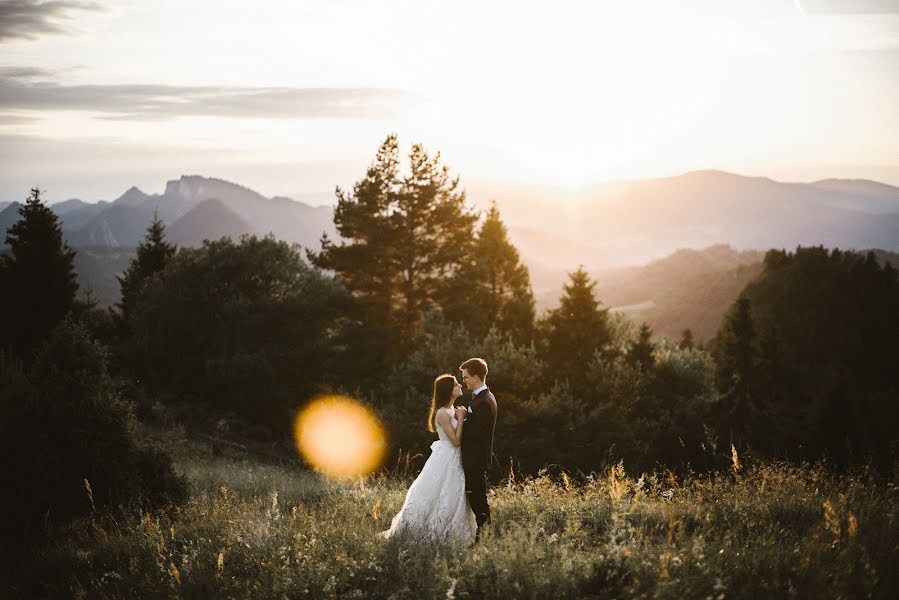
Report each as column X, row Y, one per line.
column 68, row 440
column 246, row 328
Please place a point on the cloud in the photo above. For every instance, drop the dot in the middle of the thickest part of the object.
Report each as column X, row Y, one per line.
column 16, row 119
column 34, row 89
column 28, row 19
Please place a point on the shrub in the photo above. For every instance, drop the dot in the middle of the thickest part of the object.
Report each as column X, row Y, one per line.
column 69, row 442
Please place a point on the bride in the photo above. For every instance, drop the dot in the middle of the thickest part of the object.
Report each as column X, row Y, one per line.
column 436, row 506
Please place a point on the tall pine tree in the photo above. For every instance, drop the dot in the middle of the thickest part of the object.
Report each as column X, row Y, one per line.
column 640, row 350
column 737, row 355
column 404, row 236
column 152, row 255
column 39, row 277
column 493, row 287
column 574, row 331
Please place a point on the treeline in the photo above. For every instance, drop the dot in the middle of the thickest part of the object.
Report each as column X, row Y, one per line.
column 235, row 335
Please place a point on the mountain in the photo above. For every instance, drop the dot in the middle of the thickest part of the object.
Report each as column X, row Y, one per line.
column 4, row 204
column 98, row 269
column 132, row 197
column 74, row 214
column 120, row 225
column 67, row 206
column 689, row 289
column 8, row 217
column 631, row 222
column 123, row 222
column 865, row 195
column 209, row 220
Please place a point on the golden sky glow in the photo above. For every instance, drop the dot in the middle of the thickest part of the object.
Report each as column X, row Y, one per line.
column 291, row 97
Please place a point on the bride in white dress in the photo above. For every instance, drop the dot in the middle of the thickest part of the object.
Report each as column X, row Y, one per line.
column 436, row 506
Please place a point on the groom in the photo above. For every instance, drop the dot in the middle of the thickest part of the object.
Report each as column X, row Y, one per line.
column 477, row 443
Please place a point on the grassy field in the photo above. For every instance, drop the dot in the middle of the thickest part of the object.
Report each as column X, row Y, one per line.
column 252, row 530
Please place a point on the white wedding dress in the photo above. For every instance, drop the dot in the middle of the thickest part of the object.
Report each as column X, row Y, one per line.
column 436, row 506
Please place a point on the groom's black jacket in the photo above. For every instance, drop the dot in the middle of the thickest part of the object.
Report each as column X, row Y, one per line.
column 477, row 437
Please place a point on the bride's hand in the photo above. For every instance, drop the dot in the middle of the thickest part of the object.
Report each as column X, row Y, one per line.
column 461, row 412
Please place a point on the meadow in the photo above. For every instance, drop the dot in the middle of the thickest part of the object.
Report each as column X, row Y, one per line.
column 254, row 528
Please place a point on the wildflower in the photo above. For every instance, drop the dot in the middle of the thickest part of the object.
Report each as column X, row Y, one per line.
column 735, row 460
column 110, row 576
column 451, row 592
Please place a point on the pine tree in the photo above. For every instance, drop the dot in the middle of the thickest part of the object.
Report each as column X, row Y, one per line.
column 686, row 340
column 736, row 345
column 152, row 255
column 737, row 356
column 39, row 276
column 640, row 350
column 405, row 236
column 574, row 331
column 492, row 288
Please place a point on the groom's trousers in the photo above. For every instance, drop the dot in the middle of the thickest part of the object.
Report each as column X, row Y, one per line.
column 476, row 492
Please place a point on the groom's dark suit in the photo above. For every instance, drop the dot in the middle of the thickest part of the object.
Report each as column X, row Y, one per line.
column 477, row 452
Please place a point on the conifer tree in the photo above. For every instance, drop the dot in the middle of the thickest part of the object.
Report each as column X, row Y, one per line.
column 152, row 255
column 686, row 340
column 574, row 331
column 38, row 276
column 492, row 288
column 404, row 237
column 737, row 356
column 736, row 345
column 640, row 350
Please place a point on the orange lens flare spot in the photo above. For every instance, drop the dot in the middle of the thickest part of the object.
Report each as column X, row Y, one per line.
column 340, row 437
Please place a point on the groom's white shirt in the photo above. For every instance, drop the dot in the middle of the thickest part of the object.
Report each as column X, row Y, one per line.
column 476, row 392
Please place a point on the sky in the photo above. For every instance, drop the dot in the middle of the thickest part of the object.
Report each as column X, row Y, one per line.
column 294, row 97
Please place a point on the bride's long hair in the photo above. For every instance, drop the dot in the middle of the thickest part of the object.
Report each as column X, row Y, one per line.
column 443, row 391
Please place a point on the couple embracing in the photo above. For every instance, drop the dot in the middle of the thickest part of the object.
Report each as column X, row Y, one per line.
column 448, row 499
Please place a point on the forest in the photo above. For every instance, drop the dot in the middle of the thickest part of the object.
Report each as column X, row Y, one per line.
column 146, row 415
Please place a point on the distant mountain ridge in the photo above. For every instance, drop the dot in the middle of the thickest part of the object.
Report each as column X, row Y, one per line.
column 210, row 219
column 9, row 215
column 122, row 223
column 621, row 223
column 606, row 228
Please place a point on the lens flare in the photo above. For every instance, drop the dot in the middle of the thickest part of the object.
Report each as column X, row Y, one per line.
column 339, row 437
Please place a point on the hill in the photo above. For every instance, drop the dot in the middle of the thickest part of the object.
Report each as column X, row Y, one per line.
column 210, row 219
column 621, row 223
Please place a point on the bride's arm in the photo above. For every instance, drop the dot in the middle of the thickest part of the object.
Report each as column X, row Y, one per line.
column 454, row 435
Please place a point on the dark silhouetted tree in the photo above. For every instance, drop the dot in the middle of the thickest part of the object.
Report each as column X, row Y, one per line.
column 64, row 427
column 736, row 357
column 822, row 354
column 573, row 332
column 639, row 351
column 403, row 237
column 686, row 340
column 153, row 253
column 39, row 277
column 247, row 328
column 492, row 287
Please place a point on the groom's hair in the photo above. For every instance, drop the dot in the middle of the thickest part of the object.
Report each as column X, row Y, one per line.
column 476, row 367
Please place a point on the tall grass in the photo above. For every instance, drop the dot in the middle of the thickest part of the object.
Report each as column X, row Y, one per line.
column 252, row 530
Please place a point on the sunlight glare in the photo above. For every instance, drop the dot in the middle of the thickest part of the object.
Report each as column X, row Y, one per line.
column 340, row 437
